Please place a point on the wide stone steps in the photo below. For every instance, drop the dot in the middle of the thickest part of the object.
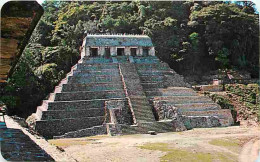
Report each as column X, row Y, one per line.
column 140, row 105
column 76, row 113
column 145, row 127
column 122, row 59
column 94, row 79
column 95, row 73
column 145, row 79
column 223, row 114
column 97, row 60
column 75, row 105
column 171, row 89
column 155, row 73
column 159, row 93
column 93, row 131
column 184, row 99
column 197, row 107
column 56, row 127
column 88, row 95
column 157, row 66
column 17, row 146
column 92, row 87
column 152, row 85
column 146, row 60
column 142, row 110
column 83, row 66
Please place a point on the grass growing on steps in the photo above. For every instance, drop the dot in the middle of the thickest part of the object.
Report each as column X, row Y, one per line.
column 179, row 155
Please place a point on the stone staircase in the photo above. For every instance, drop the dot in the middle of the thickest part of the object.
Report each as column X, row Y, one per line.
column 78, row 102
column 163, row 85
column 120, row 95
column 140, row 105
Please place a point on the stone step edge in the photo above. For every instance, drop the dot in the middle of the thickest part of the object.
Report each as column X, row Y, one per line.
column 78, row 131
column 73, row 110
column 71, row 119
column 119, row 90
column 183, row 104
column 56, row 102
column 204, row 97
column 196, row 105
column 44, row 107
column 99, row 76
column 97, row 91
column 85, row 100
column 89, row 84
column 227, row 118
column 97, row 64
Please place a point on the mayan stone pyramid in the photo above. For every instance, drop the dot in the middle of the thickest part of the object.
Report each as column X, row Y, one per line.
column 119, row 86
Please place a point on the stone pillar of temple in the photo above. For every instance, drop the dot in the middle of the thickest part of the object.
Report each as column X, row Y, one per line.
column 101, row 51
column 87, row 51
column 127, row 51
column 83, row 52
column 151, row 51
column 113, row 51
column 139, row 51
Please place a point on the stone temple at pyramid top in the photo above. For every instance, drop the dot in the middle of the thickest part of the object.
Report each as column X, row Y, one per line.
column 117, row 45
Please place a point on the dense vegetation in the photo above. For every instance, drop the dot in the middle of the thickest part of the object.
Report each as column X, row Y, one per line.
column 192, row 37
column 242, row 100
column 248, row 95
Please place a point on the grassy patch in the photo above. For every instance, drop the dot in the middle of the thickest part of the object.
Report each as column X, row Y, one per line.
column 230, row 144
column 156, row 146
column 186, row 156
column 224, row 142
column 63, row 143
column 178, row 155
column 96, row 137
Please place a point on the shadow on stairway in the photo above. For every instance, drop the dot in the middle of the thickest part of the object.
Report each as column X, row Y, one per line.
column 17, row 146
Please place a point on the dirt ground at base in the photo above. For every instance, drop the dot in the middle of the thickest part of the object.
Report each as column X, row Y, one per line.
column 206, row 144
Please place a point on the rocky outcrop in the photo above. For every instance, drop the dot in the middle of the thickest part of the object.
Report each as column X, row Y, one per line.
column 18, row 20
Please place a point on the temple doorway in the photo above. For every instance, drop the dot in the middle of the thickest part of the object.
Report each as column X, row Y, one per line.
column 93, row 52
column 120, row 51
column 107, row 52
column 133, row 51
column 145, row 51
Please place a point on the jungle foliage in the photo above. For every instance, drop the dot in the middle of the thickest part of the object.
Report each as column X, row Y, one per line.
column 192, row 37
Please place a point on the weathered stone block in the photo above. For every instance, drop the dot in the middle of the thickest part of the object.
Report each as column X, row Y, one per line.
column 70, row 96
column 50, row 128
column 92, row 87
column 76, row 105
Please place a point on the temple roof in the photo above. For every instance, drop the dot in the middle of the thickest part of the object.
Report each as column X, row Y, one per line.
column 118, row 40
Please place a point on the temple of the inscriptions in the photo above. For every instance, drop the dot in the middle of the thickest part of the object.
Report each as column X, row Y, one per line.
column 117, row 45
column 119, row 86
